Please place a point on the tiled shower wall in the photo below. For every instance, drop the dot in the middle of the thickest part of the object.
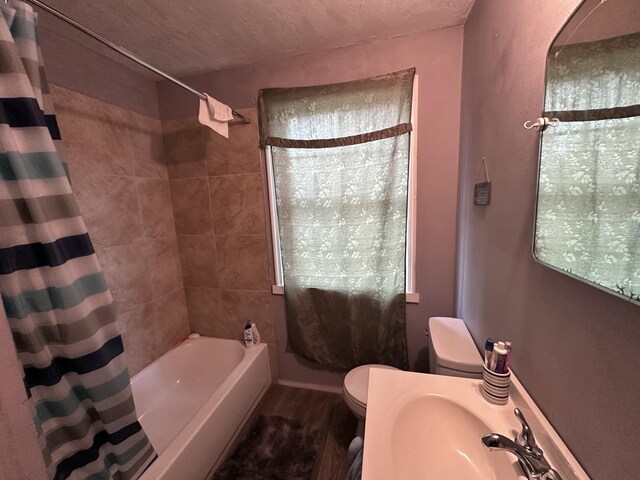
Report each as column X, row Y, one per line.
column 217, row 197
column 176, row 215
column 119, row 176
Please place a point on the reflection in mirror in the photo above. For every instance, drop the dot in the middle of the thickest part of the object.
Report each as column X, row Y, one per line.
column 588, row 211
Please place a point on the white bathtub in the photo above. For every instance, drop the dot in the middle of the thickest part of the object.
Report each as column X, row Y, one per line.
column 193, row 401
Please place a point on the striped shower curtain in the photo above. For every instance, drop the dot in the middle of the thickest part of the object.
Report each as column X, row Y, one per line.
column 54, row 295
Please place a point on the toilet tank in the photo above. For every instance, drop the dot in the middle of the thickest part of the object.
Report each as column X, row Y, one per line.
column 452, row 350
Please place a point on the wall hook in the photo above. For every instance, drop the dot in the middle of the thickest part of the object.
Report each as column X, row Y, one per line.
column 541, row 124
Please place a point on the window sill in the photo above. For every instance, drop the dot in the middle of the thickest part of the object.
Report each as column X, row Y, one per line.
column 411, row 297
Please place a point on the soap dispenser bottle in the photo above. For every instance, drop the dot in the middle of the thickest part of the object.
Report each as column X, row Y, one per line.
column 248, row 335
column 254, row 332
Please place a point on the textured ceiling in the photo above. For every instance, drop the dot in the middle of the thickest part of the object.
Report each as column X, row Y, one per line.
column 193, row 36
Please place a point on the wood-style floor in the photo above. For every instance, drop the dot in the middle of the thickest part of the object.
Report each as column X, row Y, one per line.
column 322, row 411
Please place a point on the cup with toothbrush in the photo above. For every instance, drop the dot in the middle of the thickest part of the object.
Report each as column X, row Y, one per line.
column 496, row 375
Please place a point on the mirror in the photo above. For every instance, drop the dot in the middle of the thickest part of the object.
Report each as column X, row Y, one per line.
column 588, row 205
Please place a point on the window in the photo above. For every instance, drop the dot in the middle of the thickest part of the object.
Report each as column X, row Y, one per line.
column 294, row 128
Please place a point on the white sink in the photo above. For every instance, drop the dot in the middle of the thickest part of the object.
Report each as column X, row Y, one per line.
column 422, row 426
column 435, row 437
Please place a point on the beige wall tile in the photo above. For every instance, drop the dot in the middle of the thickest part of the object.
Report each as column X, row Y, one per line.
column 178, row 124
column 156, row 208
column 223, row 313
column 191, row 206
column 151, row 330
column 164, row 268
column 94, row 134
column 107, row 139
column 242, row 262
column 199, row 260
column 184, row 148
column 109, row 205
column 236, row 204
column 147, row 146
column 239, row 153
column 239, row 306
column 135, row 326
column 171, row 321
column 126, row 270
column 205, row 311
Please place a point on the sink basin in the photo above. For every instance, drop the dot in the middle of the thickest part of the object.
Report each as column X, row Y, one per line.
column 435, row 437
column 423, row 427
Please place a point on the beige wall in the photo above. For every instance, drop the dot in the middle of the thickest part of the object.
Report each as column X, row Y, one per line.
column 106, row 75
column 217, row 197
column 576, row 348
column 119, row 177
column 437, row 56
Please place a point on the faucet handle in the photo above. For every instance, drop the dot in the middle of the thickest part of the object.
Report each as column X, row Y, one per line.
column 526, row 438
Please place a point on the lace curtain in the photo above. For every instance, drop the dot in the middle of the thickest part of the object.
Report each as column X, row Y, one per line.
column 340, row 166
column 588, row 221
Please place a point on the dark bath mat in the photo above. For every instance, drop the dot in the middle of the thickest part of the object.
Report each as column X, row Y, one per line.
column 277, row 449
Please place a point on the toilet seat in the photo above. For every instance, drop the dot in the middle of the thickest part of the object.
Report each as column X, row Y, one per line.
column 356, row 386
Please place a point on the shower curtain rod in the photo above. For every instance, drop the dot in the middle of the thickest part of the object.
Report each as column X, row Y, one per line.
column 129, row 55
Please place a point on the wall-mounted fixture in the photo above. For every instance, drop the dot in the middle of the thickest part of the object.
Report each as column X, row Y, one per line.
column 482, row 190
column 541, row 124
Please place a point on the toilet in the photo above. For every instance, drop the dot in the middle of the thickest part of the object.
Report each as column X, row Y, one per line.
column 354, row 391
column 451, row 352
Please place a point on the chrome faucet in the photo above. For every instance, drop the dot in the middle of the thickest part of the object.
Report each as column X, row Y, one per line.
column 524, row 447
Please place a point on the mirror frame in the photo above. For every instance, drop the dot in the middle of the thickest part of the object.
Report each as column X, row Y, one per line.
column 535, row 213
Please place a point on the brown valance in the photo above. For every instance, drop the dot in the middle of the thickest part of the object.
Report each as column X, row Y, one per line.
column 595, row 114
column 325, row 116
column 342, row 141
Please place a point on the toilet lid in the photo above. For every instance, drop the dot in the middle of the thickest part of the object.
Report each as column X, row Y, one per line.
column 453, row 346
column 356, row 383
